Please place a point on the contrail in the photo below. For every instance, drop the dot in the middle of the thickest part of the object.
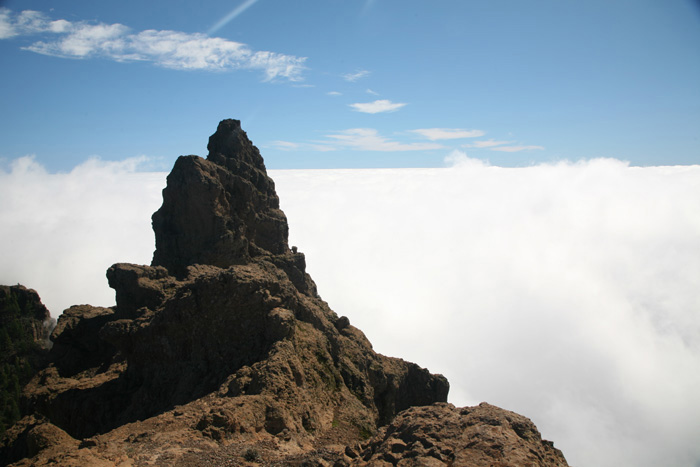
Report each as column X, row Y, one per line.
column 228, row 18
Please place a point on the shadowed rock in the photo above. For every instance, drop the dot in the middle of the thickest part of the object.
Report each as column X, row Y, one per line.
column 219, row 211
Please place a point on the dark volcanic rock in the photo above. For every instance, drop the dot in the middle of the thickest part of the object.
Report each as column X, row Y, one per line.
column 442, row 435
column 22, row 307
column 221, row 352
column 220, row 211
column 77, row 346
column 25, row 325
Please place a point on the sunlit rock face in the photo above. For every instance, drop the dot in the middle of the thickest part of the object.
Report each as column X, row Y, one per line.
column 441, row 434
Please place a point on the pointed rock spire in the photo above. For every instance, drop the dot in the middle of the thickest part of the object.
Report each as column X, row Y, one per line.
column 220, row 211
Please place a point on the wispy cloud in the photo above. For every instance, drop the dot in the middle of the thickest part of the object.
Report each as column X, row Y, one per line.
column 352, row 77
column 515, row 148
column 356, row 139
column 378, row 106
column 28, row 22
column 334, row 93
column 285, row 145
column 231, row 16
column 369, row 139
column 291, row 146
column 369, row 91
column 486, row 144
column 434, row 134
column 168, row 49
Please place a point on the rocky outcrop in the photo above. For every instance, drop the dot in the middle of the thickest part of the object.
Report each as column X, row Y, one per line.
column 21, row 307
column 25, row 325
column 220, row 352
column 441, row 435
column 219, row 211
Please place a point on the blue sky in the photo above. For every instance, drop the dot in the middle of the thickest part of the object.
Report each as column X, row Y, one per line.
column 347, row 84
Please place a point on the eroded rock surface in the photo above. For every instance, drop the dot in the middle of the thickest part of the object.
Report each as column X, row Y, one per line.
column 441, row 435
column 221, row 352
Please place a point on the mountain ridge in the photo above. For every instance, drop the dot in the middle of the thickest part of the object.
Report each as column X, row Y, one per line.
column 222, row 348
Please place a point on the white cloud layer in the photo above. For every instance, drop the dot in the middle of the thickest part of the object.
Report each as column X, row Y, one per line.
column 568, row 293
column 434, row 134
column 378, row 106
column 60, row 232
column 168, row 49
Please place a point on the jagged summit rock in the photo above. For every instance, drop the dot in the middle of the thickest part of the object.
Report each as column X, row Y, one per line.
column 220, row 211
column 231, row 143
column 222, row 352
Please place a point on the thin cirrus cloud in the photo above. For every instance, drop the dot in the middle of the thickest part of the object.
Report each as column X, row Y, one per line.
column 352, row 77
column 369, row 139
column 502, row 146
column 168, row 49
column 434, row 134
column 286, row 145
column 292, row 146
column 378, row 106
column 359, row 139
column 515, row 148
column 231, row 16
column 486, row 144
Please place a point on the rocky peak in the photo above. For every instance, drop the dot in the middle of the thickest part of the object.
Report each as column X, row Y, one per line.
column 220, row 211
column 222, row 353
column 230, row 142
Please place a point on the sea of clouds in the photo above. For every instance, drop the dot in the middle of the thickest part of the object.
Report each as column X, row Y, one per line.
column 569, row 292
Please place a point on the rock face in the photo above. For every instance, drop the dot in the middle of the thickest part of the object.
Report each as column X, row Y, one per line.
column 219, row 211
column 222, row 353
column 25, row 324
column 441, row 435
column 22, row 305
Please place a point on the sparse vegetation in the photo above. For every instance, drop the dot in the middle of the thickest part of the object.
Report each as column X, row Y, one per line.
column 365, row 433
column 17, row 349
column 251, row 455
